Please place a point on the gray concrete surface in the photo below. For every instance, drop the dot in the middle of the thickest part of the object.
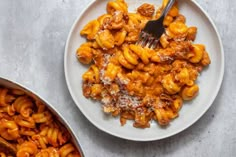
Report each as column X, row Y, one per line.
column 32, row 40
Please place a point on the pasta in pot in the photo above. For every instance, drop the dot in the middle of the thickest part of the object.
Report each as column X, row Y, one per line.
column 137, row 83
column 31, row 128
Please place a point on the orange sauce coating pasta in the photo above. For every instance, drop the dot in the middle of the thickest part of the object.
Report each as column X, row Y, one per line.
column 137, row 83
column 31, row 128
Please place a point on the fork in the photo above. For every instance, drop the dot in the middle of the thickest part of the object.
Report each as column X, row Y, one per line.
column 154, row 29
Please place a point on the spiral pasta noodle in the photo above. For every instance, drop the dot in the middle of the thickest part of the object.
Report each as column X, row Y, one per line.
column 118, row 5
column 136, row 82
column 31, row 127
column 4, row 98
column 48, row 152
column 9, row 129
column 27, row 149
column 23, row 105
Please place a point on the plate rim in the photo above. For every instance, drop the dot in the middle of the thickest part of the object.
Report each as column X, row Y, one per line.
column 211, row 101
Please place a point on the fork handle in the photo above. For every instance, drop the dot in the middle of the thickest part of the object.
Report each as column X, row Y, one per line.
column 168, row 7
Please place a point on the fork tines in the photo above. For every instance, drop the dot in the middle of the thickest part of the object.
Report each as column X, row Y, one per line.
column 147, row 40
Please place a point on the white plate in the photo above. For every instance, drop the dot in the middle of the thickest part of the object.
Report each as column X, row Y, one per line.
column 209, row 81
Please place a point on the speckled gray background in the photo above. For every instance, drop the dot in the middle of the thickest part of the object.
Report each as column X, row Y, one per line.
column 32, row 40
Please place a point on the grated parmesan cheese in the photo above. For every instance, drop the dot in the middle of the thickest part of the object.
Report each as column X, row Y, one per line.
column 125, row 101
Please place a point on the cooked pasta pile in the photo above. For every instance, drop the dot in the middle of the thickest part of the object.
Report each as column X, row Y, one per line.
column 135, row 82
column 29, row 126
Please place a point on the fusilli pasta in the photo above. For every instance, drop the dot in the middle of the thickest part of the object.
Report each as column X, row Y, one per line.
column 31, row 128
column 136, row 82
